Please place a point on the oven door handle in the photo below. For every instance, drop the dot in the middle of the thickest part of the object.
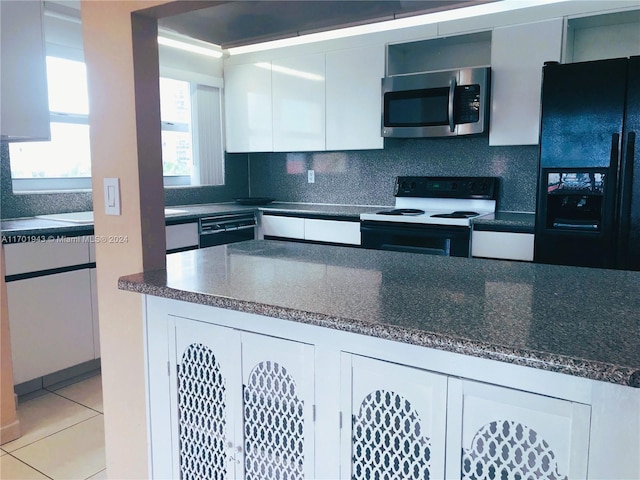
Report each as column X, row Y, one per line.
column 427, row 250
column 417, row 228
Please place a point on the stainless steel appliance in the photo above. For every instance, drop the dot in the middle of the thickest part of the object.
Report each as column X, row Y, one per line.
column 588, row 208
column 227, row 228
column 437, row 104
column 432, row 215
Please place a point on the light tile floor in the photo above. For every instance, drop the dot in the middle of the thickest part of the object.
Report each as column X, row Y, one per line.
column 62, row 435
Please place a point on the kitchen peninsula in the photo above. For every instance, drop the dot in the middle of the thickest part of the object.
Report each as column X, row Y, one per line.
column 339, row 362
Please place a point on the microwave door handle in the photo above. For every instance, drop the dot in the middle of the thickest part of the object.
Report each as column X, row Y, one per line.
column 452, row 91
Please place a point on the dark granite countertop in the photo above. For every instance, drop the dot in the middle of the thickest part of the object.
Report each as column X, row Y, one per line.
column 306, row 209
column 35, row 226
column 39, row 227
column 516, row 222
column 578, row 321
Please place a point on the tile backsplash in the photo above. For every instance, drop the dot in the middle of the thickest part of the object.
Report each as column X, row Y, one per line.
column 366, row 177
column 363, row 177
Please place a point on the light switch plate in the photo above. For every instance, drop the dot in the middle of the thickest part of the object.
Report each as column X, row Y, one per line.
column 112, row 196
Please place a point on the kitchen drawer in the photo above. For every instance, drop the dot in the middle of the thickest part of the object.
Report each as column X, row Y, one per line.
column 332, row 231
column 287, row 227
column 502, row 245
column 183, row 235
column 37, row 256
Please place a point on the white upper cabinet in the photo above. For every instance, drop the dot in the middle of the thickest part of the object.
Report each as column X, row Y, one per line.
column 298, row 89
column 314, row 102
column 248, row 110
column 353, row 98
column 518, row 54
column 25, row 104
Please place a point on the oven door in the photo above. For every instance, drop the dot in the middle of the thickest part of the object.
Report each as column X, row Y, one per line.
column 451, row 241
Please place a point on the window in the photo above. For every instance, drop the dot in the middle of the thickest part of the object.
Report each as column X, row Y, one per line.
column 192, row 151
column 177, row 140
column 65, row 161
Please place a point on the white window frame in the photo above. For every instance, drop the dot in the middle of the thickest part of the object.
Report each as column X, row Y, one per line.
column 201, row 115
column 57, row 184
column 72, row 50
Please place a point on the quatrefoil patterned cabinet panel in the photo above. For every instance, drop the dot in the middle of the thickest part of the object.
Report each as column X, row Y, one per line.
column 278, row 403
column 395, row 421
column 509, row 434
column 207, row 403
column 243, row 405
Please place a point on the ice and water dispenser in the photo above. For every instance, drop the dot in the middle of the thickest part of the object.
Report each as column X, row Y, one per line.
column 575, row 200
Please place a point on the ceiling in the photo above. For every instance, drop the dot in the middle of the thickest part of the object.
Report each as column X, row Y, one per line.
column 243, row 22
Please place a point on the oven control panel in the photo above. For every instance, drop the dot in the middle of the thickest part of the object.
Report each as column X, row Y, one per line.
column 485, row 188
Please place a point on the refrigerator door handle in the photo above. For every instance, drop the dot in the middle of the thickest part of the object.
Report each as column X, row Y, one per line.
column 616, row 175
column 630, row 153
column 625, row 181
column 615, row 152
column 625, row 186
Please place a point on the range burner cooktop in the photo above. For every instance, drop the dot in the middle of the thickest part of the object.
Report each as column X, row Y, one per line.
column 456, row 214
column 402, row 211
column 446, row 201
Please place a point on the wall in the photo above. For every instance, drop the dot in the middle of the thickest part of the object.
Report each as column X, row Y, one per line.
column 366, row 177
column 121, row 147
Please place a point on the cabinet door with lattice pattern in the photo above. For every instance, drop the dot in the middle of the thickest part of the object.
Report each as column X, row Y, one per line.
column 510, row 434
column 207, row 402
column 394, row 421
column 278, row 408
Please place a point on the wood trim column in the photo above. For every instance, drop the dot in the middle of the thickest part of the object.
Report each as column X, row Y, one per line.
column 9, row 423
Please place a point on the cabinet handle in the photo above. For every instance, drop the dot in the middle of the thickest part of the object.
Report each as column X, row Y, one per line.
column 452, row 93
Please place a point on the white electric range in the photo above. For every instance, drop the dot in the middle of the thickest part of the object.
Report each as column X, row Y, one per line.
column 432, row 215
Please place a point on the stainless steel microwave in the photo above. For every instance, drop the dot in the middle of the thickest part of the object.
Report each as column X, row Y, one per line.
column 436, row 104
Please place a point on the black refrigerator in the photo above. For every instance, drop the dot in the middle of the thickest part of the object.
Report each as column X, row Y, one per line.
column 588, row 198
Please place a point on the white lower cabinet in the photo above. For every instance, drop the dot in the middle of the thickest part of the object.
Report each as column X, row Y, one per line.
column 502, row 245
column 280, row 226
column 50, row 320
column 312, row 229
column 496, row 432
column 182, row 236
column 242, row 405
column 237, row 404
column 395, row 423
column 332, row 231
column 401, row 421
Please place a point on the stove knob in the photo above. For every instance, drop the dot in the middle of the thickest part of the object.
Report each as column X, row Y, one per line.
column 454, row 185
column 472, row 186
column 413, row 185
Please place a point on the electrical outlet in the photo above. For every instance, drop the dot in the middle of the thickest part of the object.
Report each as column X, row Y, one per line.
column 311, row 176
